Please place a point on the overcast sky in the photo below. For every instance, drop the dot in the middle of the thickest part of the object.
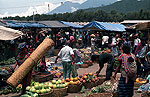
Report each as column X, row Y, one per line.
column 27, row 7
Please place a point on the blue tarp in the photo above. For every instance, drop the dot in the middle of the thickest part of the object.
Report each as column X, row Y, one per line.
column 106, row 26
column 14, row 24
column 73, row 25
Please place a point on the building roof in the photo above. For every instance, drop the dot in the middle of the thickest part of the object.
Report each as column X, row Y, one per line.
column 54, row 24
column 24, row 24
column 134, row 21
column 72, row 25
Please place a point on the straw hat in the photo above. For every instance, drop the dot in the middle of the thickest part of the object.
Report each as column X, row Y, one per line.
column 92, row 35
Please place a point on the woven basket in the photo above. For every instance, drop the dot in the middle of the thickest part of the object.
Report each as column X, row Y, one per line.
column 89, row 63
column 46, row 94
column 100, row 95
column 137, row 85
column 101, row 80
column 59, row 92
column 74, row 88
column 39, row 78
column 84, row 66
column 90, row 85
column 28, row 64
column 145, row 94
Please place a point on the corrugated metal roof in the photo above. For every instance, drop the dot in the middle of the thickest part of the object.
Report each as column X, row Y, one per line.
column 134, row 21
column 73, row 25
column 21, row 24
column 53, row 24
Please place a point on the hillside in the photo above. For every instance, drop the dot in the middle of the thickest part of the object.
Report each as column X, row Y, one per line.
column 125, row 6
column 71, row 7
column 66, row 7
column 95, row 3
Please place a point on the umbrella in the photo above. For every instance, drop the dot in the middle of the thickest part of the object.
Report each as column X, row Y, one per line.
column 9, row 34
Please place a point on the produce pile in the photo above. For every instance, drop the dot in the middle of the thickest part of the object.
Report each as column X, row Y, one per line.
column 36, row 88
column 58, row 84
column 88, row 78
column 9, row 89
column 73, row 81
column 56, row 69
column 140, row 80
column 107, row 86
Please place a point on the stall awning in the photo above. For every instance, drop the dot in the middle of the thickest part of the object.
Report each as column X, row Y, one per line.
column 53, row 24
column 9, row 34
column 105, row 26
column 72, row 25
column 16, row 24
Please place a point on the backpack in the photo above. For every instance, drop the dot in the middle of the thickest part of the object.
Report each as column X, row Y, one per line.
column 130, row 70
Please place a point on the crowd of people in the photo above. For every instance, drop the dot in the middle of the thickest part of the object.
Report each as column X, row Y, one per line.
column 132, row 51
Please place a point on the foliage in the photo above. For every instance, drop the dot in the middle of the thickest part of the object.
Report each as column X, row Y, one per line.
column 87, row 16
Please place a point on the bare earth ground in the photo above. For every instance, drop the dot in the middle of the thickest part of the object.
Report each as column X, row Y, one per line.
column 81, row 71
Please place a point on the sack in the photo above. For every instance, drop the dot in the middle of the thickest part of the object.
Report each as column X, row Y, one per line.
column 130, row 70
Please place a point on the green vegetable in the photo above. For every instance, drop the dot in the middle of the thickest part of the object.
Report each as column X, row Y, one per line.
column 25, row 95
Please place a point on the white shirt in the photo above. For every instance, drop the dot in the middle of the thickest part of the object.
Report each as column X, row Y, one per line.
column 114, row 41
column 65, row 54
column 142, row 52
column 92, row 41
column 105, row 39
column 136, row 41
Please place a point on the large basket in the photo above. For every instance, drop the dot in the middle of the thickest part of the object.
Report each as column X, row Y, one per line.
column 101, row 80
column 42, row 77
column 74, row 88
column 84, row 66
column 28, row 64
column 100, row 95
column 59, row 92
column 137, row 85
column 90, row 63
column 145, row 94
column 46, row 94
column 90, row 85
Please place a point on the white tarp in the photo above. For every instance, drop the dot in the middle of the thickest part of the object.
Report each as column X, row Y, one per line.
column 9, row 34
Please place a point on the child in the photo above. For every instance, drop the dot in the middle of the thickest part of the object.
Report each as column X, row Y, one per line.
column 130, row 61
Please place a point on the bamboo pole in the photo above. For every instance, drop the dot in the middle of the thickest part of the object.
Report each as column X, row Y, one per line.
column 23, row 70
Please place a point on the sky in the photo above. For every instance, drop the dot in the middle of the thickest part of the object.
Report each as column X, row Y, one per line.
column 28, row 7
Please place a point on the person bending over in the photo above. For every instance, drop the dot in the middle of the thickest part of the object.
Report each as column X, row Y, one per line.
column 102, row 59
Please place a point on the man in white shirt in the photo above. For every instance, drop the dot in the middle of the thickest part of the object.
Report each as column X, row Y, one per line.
column 136, row 42
column 105, row 42
column 67, row 56
column 114, row 46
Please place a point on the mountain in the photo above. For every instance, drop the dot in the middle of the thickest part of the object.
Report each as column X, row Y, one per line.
column 66, row 7
column 125, row 6
column 71, row 7
column 95, row 3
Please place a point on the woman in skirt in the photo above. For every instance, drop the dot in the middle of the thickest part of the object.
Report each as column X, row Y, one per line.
column 125, row 85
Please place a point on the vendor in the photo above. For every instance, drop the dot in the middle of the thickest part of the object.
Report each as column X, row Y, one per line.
column 102, row 59
column 22, row 56
column 42, row 65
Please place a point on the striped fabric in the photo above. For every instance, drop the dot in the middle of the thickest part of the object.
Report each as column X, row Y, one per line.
column 125, row 90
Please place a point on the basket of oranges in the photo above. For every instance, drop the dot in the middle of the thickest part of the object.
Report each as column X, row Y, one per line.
column 74, row 85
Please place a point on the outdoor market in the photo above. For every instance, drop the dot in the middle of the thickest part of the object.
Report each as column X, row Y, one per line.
column 67, row 59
